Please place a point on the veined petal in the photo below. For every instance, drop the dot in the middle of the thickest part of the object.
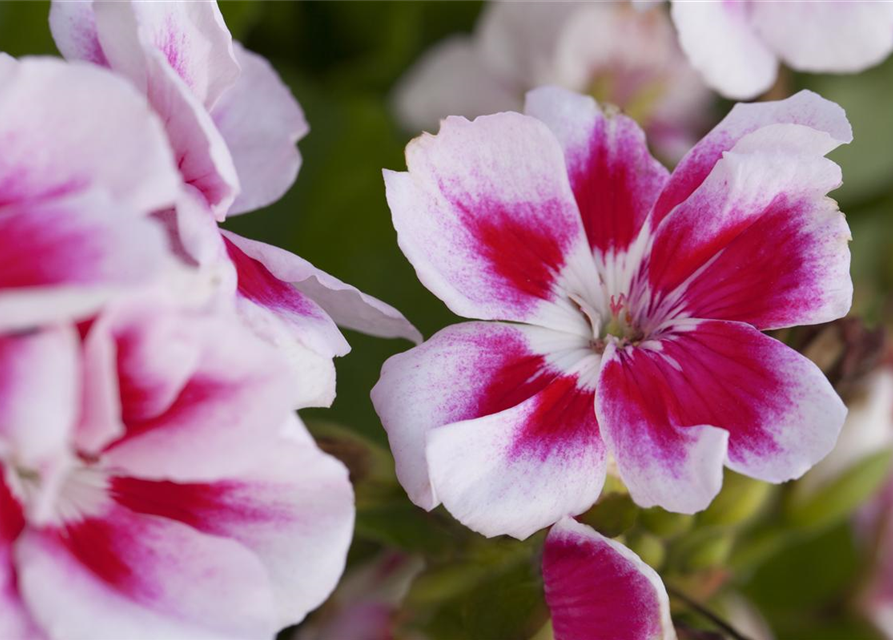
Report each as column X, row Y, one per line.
column 520, row 470
column 261, row 122
column 15, row 621
column 192, row 37
column 53, row 146
column 804, row 108
column 487, row 217
column 767, row 191
column 464, row 372
column 452, row 79
column 841, row 37
column 615, row 180
column 39, row 395
column 597, row 588
column 293, row 509
column 722, row 43
column 776, row 410
column 347, row 306
column 120, row 574
column 73, row 25
column 61, row 258
column 664, row 457
column 202, row 156
column 237, row 390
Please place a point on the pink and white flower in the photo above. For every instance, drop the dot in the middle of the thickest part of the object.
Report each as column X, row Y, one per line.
column 169, row 490
column 629, row 307
column 617, row 54
column 737, row 45
column 233, row 126
column 75, row 198
column 597, row 588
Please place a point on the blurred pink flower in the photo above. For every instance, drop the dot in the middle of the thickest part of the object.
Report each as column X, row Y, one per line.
column 597, row 588
column 737, row 44
column 632, row 304
column 621, row 56
column 366, row 602
column 169, row 490
column 75, row 197
column 233, row 126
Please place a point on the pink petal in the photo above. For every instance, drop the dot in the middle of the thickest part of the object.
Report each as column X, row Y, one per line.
column 261, row 122
column 615, row 180
column 522, row 469
column 805, row 108
column 486, row 216
column 669, row 407
column 61, row 258
column 211, row 387
column 347, row 306
column 68, row 128
column 73, row 25
column 121, row 574
column 294, row 510
column 597, row 588
column 464, row 372
column 798, row 269
column 202, row 156
column 841, row 37
column 451, row 79
column 39, row 391
column 768, row 190
column 191, row 36
column 722, row 43
column 15, row 621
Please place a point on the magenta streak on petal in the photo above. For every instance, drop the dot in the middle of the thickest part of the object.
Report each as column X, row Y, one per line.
column 594, row 592
column 208, row 507
column 197, row 396
column 563, row 420
column 34, row 254
column 690, row 173
column 614, row 191
column 12, row 519
column 765, row 275
column 725, row 381
column 172, row 46
column 523, row 244
column 259, row 285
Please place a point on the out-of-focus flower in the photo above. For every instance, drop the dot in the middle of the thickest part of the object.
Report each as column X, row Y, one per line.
column 597, row 588
column 74, row 197
column 169, row 490
column 868, row 430
column 233, row 126
column 641, row 298
column 619, row 55
column 737, row 45
column 366, row 602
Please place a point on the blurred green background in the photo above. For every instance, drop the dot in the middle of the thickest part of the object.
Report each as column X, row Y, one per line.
column 341, row 60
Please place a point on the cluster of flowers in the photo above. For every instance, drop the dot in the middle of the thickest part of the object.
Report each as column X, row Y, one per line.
column 155, row 480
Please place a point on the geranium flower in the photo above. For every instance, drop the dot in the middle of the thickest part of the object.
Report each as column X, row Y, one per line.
column 233, row 126
column 632, row 304
column 597, row 588
column 169, row 490
column 737, row 45
column 620, row 56
column 75, row 197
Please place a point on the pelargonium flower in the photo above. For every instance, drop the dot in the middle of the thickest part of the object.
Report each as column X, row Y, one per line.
column 233, row 126
column 154, row 482
column 737, row 46
column 620, row 56
column 597, row 588
column 629, row 307
column 75, row 198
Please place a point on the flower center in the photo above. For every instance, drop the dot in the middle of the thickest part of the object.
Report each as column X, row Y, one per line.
column 619, row 328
